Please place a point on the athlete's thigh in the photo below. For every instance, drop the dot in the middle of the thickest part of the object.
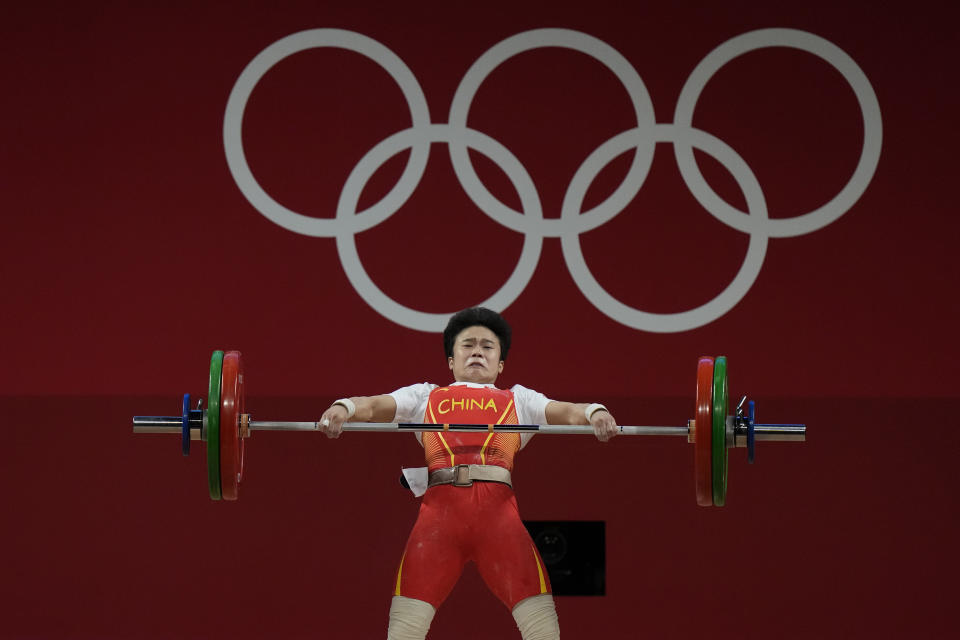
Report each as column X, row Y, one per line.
column 507, row 559
column 433, row 558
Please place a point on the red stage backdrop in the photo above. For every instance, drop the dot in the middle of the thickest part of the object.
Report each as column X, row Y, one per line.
column 320, row 185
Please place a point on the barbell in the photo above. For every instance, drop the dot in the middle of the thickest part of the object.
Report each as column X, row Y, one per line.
column 225, row 426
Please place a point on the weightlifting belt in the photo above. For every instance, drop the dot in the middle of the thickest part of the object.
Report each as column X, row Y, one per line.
column 463, row 475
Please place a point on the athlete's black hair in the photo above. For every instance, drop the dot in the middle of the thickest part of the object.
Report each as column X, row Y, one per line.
column 477, row 316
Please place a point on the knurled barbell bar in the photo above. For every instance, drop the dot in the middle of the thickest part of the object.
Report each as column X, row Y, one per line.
column 225, row 426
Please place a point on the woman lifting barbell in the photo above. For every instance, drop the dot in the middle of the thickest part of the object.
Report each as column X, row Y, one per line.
column 469, row 511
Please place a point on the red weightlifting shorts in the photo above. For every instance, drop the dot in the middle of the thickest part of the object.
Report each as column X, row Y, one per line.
column 480, row 523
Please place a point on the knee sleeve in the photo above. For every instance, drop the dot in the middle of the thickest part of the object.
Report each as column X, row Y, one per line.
column 537, row 618
column 409, row 619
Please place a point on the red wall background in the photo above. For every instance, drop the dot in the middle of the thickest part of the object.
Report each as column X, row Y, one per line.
column 128, row 253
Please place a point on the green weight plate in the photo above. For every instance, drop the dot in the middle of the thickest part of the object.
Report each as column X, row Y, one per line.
column 719, row 447
column 213, row 425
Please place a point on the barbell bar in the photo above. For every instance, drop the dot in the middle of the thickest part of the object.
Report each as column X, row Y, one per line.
column 225, row 427
column 763, row 432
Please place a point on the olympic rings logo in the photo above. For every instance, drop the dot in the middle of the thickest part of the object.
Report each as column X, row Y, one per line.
column 572, row 221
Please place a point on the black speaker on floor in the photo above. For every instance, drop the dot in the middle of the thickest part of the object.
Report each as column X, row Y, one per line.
column 574, row 552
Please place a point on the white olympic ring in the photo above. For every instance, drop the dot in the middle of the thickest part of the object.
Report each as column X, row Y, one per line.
column 572, row 221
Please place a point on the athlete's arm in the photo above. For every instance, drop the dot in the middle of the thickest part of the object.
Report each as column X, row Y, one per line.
column 602, row 421
column 380, row 408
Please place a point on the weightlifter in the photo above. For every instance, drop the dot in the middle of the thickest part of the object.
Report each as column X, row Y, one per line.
column 469, row 511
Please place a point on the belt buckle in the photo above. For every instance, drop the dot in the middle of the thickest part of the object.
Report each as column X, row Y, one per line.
column 461, row 476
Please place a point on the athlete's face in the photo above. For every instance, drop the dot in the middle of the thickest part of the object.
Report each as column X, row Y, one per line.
column 476, row 356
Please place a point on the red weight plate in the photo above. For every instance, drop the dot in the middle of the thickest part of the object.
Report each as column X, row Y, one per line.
column 231, row 406
column 242, row 395
column 703, row 453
